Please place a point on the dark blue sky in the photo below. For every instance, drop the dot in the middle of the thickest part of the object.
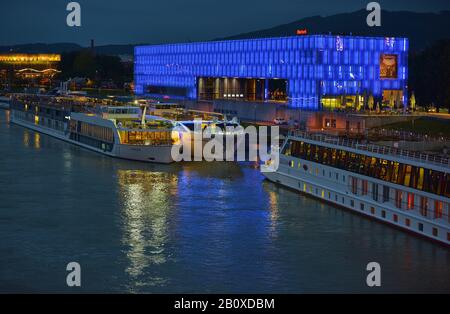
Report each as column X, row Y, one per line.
column 153, row 21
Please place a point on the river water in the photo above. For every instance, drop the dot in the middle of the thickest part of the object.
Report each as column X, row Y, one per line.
column 185, row 228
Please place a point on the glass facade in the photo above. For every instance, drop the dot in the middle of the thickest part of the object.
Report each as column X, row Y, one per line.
column 314, row 67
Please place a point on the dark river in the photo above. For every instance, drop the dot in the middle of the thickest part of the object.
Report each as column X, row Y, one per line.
column 185, row 228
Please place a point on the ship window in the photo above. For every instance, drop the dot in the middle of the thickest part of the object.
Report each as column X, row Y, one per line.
column 407, row 222
column 420, row 180
column 365, row 187
column 435, row 232
column 352, row 203
column 420, row 225
column 423, row 206
column 372, row 210
column 375, row 191
column 354, row 186
column 383, row 213
column 411, row 201
column 438, row 209
column 386, row 192
column 394, row 172
column 398, row 198
column 361, row 206
column 395, row 218
column 407, row 176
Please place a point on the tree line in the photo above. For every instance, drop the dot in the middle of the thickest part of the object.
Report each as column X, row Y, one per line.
column 429, row 75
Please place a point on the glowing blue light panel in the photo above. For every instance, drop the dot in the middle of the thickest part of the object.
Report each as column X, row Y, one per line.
column 314, row 66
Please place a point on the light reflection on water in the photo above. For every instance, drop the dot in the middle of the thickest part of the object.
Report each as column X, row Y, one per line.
column 145, row 199
column 195, row 227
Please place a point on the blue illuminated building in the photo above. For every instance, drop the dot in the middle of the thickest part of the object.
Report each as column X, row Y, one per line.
column 308, row 72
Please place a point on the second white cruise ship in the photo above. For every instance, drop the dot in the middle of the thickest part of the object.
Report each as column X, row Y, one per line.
column 410, row 190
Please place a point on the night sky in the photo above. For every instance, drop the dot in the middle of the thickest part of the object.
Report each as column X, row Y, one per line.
column 161, row 21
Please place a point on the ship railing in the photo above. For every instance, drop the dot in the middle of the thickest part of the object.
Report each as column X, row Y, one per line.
column 372, row 148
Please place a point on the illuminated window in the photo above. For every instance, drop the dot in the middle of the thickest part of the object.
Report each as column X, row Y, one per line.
column 420, row 227
column 435, row 232
column 398, row 198
column 438, row 209
column 411, row 201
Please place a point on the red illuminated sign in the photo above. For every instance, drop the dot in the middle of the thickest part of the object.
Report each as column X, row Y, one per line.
column 302, row 31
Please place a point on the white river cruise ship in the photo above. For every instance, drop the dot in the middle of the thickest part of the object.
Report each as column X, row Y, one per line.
column 120, row 132
column 410, row 190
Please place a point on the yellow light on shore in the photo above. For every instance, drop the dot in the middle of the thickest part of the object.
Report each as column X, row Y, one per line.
column 30, row 58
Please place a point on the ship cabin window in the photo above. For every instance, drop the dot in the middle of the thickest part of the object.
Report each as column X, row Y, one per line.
column 420, row 226
column 375, row 192
column 435, row 232
column 145, row 138
column 372, row 210
column 386, row 192
column 395, row 218
column 352, row 203
column 411, row 199
column 438, row 209
column 361, row 206
column 423, row 206
column 407, row 222
column 398, row 198
column 383, row 213
column 354, row 186
column 292, row 164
